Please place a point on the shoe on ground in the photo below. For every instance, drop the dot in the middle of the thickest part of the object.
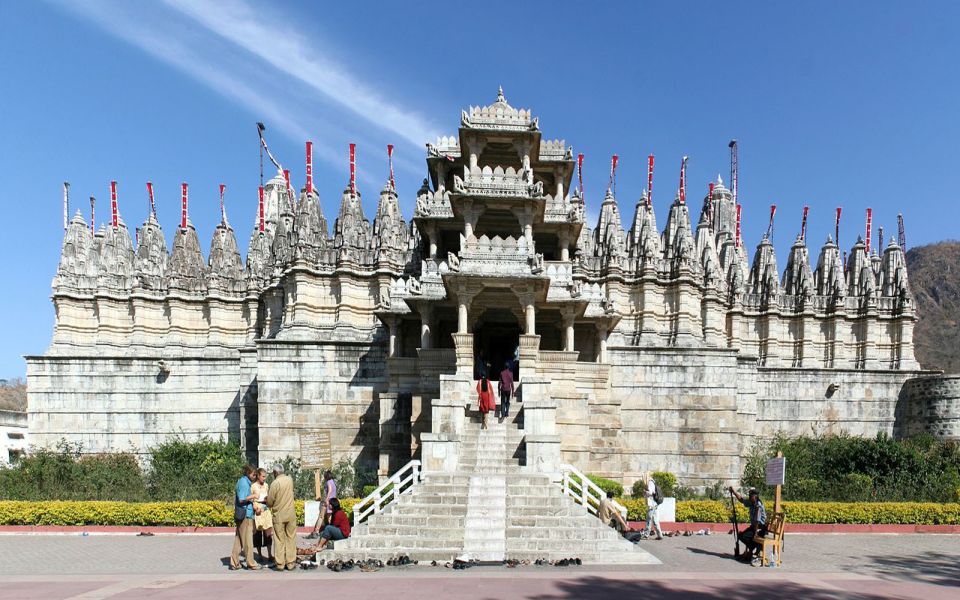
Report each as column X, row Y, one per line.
column 659, row 537
column 254, row 567
column 313, row 535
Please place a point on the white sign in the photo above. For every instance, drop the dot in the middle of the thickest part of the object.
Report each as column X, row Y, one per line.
column 776, row 471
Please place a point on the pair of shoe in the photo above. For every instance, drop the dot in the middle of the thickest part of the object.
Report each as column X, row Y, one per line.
column 313, row 535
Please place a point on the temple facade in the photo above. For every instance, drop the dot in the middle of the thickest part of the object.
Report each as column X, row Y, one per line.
column 636, row 348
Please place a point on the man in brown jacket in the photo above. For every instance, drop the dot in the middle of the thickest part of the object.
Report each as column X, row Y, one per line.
column 280, row 500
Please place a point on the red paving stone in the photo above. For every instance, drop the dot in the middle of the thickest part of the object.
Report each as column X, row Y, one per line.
column 467, row 586
column 47, row 590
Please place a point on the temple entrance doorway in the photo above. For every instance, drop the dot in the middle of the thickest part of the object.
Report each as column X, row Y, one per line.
column 496, row 338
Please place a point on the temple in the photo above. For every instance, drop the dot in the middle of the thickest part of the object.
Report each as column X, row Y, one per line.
column 636, row 348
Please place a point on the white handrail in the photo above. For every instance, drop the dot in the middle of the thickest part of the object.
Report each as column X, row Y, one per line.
column 584, row 491
column 399, row 483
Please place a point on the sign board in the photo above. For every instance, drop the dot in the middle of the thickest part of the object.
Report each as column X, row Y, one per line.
column 315, row 450
column 776, row 471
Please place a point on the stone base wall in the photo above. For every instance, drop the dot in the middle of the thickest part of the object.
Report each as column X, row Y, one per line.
column 930, row 405
column 320, row 385
column 125, row 402
column 815, row 401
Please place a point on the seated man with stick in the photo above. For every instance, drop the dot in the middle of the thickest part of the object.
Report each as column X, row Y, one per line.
column 758, row 523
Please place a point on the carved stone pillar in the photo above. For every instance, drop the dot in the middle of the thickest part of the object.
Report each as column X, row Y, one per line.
column 426, row 320
column 603, row 331
column 525, row 217
column 558, row 175
column 564, row 236
column 568, row 315
column 431, row 231
column 392, row 328
column 463, row 344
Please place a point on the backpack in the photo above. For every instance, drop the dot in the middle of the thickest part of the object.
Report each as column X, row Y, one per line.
column 657, row 494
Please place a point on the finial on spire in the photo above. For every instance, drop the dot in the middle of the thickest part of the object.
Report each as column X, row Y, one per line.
column 739, row 242
column 183, row 205
column 286, row 178
column 733, row 169
column 153, row 206
column 683, row 180
column 580, row 175
column 901, row 234
column 836, row 226
column 66, row 203
column 353, row 168
column 113, row 204
column 500, row 97
column 223, row 208
column 393, row 183
column 710, row 204
column 309, row 166
column 649, row 180
column 613, row 174
column 880, row 238
column 260, row 223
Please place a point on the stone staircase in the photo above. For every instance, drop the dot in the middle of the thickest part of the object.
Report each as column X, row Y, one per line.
column 490, row 509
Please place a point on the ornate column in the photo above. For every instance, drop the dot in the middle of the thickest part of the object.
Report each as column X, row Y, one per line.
column 392, row 328
column 568, row 314
column 564, row 236
column 426, row 320
column 525, row 217
column 558, row 175
column 431, row 230
column 603, row 330
column 471, row 213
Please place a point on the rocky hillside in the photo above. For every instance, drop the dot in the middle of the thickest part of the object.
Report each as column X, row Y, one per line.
column 13, row 395
column 935, row 280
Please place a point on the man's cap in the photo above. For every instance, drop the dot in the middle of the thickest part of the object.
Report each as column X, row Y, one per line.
column 752, row 492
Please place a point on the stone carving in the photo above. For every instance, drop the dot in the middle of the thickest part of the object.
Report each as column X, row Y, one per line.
column 311, row 229
column 224, row 267
column 116, row 259
column 150, row 262
column 78, row 268
column 187, row 272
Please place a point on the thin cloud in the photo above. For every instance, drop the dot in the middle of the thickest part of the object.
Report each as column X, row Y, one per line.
column 289, row 51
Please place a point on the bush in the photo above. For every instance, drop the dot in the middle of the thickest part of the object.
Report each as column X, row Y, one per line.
column 841, row 467
column 607, row 485
column 66, row 474
column 667, row 482
column 350, row 479
column 203, row 469
column 180, row 514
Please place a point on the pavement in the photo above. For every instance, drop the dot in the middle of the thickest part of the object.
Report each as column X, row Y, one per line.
column 818, row 567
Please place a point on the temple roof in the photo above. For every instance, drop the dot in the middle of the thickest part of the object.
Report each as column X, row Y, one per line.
column 499, row 116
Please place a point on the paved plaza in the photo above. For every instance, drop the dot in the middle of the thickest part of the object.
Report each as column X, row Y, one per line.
column 192, row 566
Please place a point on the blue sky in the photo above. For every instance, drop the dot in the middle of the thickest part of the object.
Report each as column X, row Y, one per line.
column 834, row 104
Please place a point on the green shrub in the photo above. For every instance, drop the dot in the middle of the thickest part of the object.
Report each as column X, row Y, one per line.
column 607, row 485
column 201, row 469
column 66, row 474
column 836, row 467
column 667, row 482
column 351, row 479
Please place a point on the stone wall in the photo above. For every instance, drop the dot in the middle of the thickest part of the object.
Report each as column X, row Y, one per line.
column 930, row 404
column 320, row 385
column 816, row 401
column 119, row 403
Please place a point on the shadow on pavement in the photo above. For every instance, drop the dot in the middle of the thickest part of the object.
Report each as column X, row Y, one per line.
column 600, row 588
column 727, row 555
column 928, row 567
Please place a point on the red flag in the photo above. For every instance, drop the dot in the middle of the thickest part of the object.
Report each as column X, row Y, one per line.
column 353, row 168
column 738, row 225
column 223, row 210
column 113, row 202
column 393, row 184
column 153, row 207
column 183, row 205
column 650, row 180
column 869, row 227
column 309, row 166
column 803, row 224
column 683, row 181
column 260, row 211
column 580, row 174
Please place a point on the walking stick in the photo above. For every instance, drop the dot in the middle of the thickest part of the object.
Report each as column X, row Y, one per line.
column 736, row 528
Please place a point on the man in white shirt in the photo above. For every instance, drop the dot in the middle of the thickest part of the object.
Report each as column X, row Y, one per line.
column 653, row 519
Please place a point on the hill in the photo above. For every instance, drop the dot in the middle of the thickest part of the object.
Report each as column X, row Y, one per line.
column 934, row 272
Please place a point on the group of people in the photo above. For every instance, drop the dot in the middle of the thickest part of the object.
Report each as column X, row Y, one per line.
column 609, row 514
column 265, row 515
column 506, row 388
column 748, row 536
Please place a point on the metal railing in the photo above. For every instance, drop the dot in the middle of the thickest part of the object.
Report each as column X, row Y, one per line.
column 585, row 492
column 398, row 484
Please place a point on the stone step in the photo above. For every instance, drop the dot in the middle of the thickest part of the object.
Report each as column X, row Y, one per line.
column 560, row 533
column 405, row 519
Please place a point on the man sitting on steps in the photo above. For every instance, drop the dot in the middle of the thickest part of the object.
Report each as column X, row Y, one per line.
column 609, row 514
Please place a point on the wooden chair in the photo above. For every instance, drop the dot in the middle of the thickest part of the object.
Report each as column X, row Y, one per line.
column 773, row 539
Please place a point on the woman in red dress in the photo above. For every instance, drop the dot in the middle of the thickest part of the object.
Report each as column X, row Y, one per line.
column 487, row 402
